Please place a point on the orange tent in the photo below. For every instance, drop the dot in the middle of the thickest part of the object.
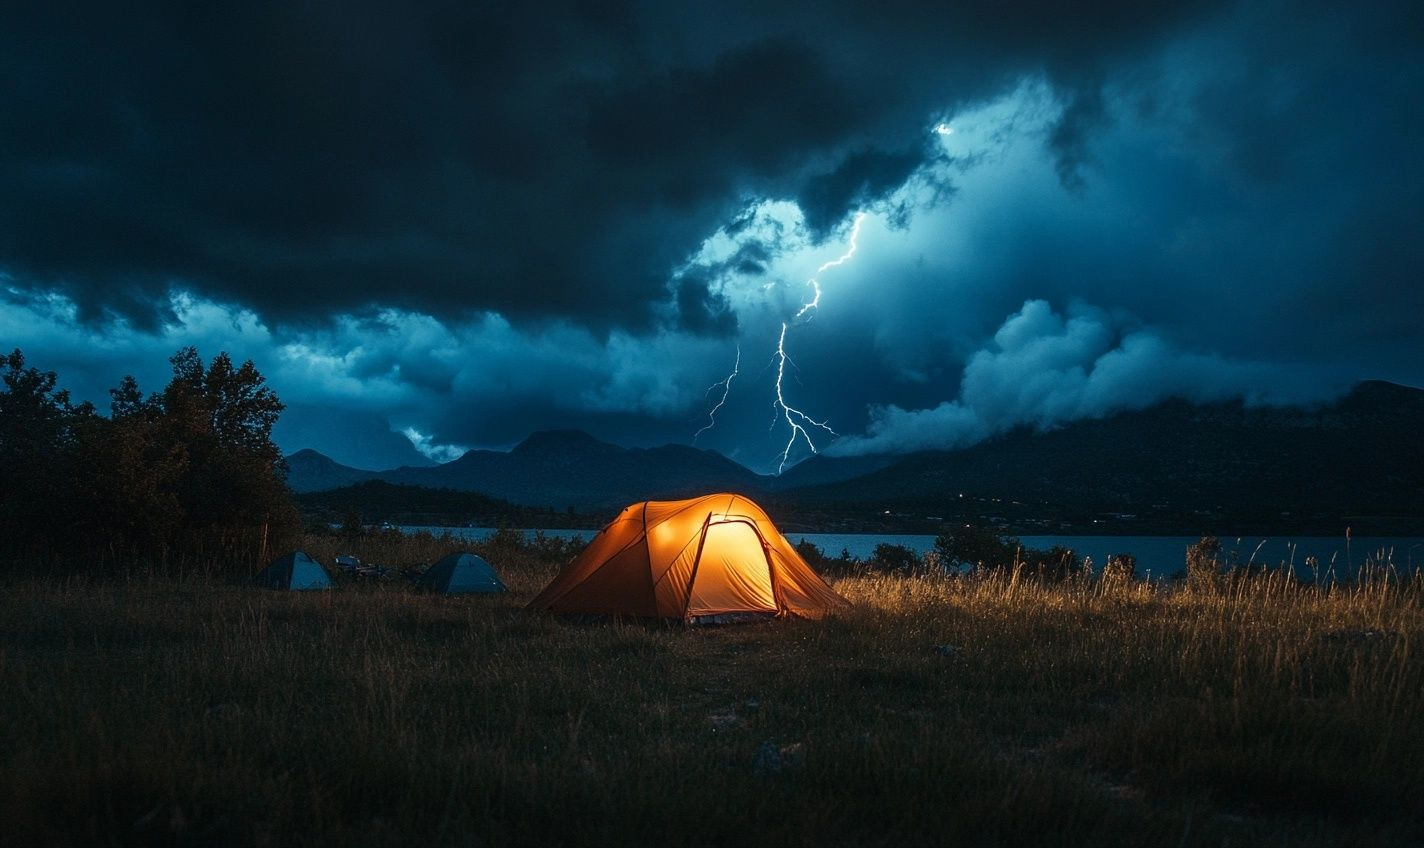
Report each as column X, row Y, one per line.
column 711, row 558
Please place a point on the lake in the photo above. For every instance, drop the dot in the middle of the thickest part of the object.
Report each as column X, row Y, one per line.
column 1162, row 556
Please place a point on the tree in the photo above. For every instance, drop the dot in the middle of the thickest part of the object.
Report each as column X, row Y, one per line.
column 233, row 492
column 39, row 433
column 188, row 474
column 132, row 471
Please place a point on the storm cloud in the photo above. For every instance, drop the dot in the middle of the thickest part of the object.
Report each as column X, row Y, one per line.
column 550, row 159
column 463, row 222
column 1044, row 369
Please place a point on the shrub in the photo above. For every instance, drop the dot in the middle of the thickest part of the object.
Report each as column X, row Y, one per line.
column 894, row 558
column 977, row 547
column 1055, row 564
column 555, row 549
column 1204, row 564
column 1120, row 568
column 814, row 556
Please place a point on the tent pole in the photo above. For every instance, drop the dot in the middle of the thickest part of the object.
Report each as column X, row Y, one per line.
column 696, row 562
column 771, row 573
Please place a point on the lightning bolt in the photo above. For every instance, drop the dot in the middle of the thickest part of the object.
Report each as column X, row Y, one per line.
column 726, row 384
column 789, row 413
column 815, row 283
column 797, row 420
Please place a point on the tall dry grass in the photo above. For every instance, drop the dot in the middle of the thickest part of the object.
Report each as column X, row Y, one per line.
column 937, row 711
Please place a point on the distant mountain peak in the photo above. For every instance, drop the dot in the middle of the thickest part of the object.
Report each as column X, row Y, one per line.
column 1192, row 457
column 310, row 470
column 1384, row 392
column 313, row 459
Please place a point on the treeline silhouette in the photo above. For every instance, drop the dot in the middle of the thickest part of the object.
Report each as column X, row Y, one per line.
column 183, row 478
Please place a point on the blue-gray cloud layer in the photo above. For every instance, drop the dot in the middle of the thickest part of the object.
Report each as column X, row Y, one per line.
column 519, row 189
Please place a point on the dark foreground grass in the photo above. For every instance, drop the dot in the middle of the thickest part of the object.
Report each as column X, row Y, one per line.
column 200, row 711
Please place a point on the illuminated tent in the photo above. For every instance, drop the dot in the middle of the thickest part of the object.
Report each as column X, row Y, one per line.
column 460, row 573
column 294, row 571
column 713, row 558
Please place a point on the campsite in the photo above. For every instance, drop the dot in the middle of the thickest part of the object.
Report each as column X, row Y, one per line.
column 187, row 658
column 829, row 424
column 203, row 710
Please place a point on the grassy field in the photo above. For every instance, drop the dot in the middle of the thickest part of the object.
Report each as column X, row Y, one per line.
column 147, row 710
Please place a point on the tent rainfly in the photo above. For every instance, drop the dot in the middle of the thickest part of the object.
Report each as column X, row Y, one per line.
column 294, row 571
column 459, row 573
column 709, row 559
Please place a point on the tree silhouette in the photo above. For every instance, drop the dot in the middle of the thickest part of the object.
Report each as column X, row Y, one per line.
column 39, row 432
column 187, row 476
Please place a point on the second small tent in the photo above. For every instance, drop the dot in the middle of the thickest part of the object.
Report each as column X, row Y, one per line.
column 295, row 571
column 460, row 573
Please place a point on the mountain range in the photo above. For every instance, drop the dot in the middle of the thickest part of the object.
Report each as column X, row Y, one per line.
column 1162, row 468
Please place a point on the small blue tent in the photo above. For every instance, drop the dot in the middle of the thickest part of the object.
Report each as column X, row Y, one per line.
column 461, row 572
column 294, row 571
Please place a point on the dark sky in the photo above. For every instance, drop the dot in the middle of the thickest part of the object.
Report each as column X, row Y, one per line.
column 437, row 226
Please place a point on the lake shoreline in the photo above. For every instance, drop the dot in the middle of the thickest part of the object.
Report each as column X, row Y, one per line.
column 1163, row 555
